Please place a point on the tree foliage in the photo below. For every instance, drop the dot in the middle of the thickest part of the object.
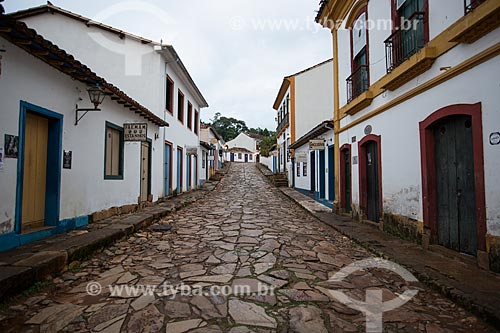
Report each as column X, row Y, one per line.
column 267, row 144
column 230, row 128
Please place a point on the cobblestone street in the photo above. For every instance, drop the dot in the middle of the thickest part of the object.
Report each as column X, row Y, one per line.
column 246, row 234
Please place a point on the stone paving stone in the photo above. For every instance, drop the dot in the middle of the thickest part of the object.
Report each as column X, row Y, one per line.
column 245, row 232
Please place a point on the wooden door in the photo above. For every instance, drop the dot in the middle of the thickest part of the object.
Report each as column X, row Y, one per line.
column 347, row 180
column 35, row 171
column 331, row 174
column 456, row 196
column 144, row 171
column 167, row 169
column 179, row 170
column 195, row 162
column 322, row 179
column 188, row 172
column 372, row 182
column 313, row 172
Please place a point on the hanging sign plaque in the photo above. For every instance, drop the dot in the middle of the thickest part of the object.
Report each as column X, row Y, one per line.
column 135, row 132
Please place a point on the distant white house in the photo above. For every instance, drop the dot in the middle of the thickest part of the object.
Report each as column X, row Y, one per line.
column 244, row 148
column 63, row 165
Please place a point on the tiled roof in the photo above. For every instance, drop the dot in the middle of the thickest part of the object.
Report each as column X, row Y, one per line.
column 322, row 6
column 318, row 130
column 30, row 41
column 50, row 8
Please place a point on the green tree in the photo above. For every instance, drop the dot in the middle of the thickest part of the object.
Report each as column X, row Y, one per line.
column 266, row 145
column 228, row 128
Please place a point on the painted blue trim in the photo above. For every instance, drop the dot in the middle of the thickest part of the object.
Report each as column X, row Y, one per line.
column 315, row 197
column 54, row 162
column 13, row 240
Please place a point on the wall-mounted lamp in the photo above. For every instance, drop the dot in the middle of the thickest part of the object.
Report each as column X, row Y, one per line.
column 96, row 95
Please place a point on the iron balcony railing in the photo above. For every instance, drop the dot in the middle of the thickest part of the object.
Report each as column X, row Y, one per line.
column 470, row 5
column 405, row 42
column 357, row 83
column 283, row 123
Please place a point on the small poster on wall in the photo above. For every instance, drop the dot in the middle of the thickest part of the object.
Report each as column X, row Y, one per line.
column 67, row 157
column 11, row 146
column 2, row 156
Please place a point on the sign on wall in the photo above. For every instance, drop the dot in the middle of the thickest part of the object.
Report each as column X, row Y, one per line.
column 67, row 158
column 2, row 156
column 11, row 146
column 495, row 139
column 191, row 150
column 135, row 132
column 317, row 144
column 301, row 157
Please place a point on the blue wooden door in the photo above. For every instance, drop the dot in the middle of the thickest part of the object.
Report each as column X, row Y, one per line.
column 179, row 170
column 167, row 169
column 331, row 173
column 322, row 180
column 232, row 157
column 313, row 172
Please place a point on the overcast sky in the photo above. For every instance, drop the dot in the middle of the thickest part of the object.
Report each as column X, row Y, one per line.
column 237, row 51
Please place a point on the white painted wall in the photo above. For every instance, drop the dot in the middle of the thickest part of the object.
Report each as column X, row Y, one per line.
column 107, row 59
column 243, row 141
column 239, row 156
column 304, row 182
column 313, row 98
column 267, row 161
column 83, row 188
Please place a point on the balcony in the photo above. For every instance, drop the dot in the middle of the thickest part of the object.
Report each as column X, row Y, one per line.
column 404, row 43
column 470, row 5
column 481, row 18
column 283, row 124
column 357, row 83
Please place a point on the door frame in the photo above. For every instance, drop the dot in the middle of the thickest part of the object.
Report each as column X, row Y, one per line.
column 363, row 193
column 312, row 157
column 342, row 180
column 149, row 142
column 180, row 169
column 322, row 173
column 331, row 173
column 427, row 144
column 168, row 191
column 54, row 164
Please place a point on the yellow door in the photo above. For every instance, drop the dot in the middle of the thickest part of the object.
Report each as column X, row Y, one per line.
column 35, row 172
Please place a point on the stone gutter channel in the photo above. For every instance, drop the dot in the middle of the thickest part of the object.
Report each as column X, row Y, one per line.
column 457, row 279
column 26, row 265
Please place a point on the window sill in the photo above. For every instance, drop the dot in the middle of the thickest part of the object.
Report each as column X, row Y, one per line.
column 416, row 65
column 359, row 103
column 113, row 177
column 478, row 23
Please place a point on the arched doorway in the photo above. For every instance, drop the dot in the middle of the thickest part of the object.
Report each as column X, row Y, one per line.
column 370, row 177
column 453, row 178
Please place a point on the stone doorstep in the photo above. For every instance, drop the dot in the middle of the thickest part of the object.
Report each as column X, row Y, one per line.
column 53, row 257
column 485, row 304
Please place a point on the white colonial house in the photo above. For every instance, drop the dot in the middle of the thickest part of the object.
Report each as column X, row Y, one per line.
column 216, row 158
column 417, row 125
column 150, row 72
column 244, row 148
column 304, row 101
column 314, row 165
column 62, row 157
